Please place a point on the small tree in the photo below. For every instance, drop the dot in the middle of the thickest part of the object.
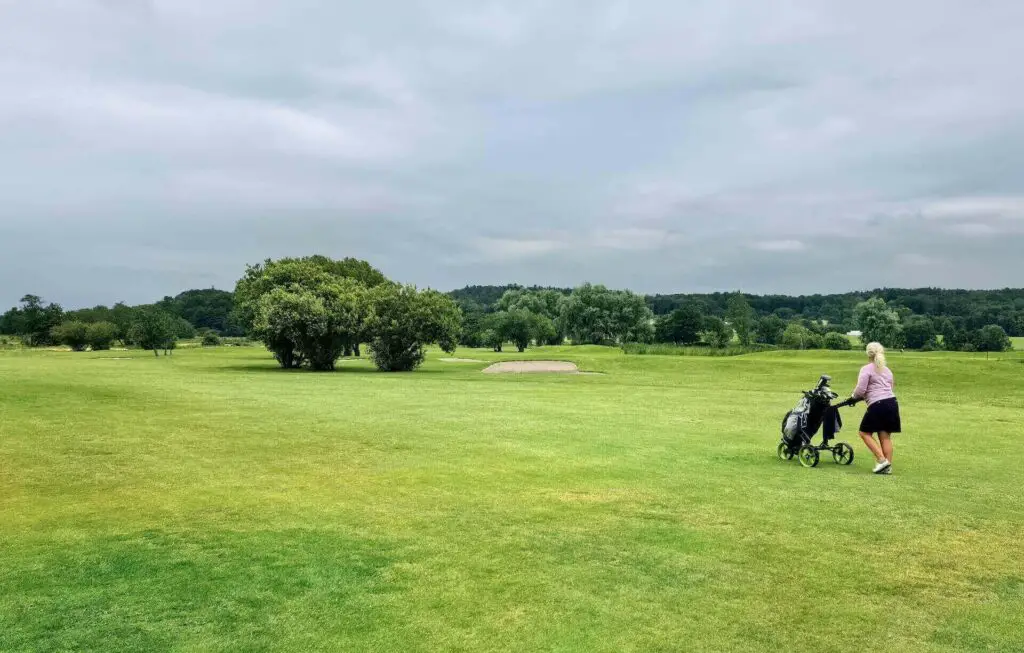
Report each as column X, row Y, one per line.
column 472, row 326
column 741, row 318
column 101, row 335
column 992, row 338
column 518, row 327
column 153, row 330
column 74, row 334
column 402, row 321
column 879, row 323
column 545, row 331
column 836, row 341
column 716, row 332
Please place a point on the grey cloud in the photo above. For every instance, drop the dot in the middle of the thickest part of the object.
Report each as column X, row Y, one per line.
column 147, row 146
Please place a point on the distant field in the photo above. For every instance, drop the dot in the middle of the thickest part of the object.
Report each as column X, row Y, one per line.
column 209, row 501
column 1018, row 344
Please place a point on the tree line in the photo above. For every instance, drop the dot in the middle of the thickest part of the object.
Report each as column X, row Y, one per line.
column 967, row 309
column 594, row 314
column 310, row 311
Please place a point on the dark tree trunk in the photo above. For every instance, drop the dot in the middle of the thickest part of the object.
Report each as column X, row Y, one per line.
column 355, row 348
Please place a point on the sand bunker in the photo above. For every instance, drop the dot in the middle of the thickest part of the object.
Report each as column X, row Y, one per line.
column 460, row 360
column 528, row 367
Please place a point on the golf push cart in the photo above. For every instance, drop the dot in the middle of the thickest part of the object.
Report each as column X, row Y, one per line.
column 801, row 424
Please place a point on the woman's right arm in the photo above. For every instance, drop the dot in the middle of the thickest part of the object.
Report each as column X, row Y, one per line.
column 862, row 384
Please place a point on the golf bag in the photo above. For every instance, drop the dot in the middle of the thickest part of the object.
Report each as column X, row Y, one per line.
column 813, row 412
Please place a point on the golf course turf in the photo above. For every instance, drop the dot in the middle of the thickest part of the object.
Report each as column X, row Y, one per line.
column 209, row 501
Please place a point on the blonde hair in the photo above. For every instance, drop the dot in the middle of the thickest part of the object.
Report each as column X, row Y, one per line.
column 876, row 352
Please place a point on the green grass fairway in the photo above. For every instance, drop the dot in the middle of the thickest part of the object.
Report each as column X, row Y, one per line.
column 1018, row 344
column 208, row 501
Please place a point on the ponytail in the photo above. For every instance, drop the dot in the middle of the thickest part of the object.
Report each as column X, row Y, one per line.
column 876, row 352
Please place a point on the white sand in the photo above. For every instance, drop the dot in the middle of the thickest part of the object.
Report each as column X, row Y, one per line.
column 531, row 367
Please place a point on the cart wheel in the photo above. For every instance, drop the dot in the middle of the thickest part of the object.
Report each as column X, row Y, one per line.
column 784, row 452
column 842, row 453
column 808, row 456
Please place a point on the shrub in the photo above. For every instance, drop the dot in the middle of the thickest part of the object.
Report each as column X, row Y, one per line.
column 837, row 342
column 74, row 334
column 101, row 335
column 211, row 339
column 797, row 336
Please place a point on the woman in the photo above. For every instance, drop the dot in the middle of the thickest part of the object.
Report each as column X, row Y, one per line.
column 874, row 385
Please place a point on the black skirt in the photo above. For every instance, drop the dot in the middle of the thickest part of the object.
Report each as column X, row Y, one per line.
column 882, row 417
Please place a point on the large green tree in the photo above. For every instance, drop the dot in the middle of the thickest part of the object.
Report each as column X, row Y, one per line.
column 920, row 332
column 402, row 321
column 311, row 273
column 593, row 314
column 769, row 329
column 541, row 303
column 682, row 326
column 879, row 323
column 522, row 327
column 311, row 323
column 992, row 338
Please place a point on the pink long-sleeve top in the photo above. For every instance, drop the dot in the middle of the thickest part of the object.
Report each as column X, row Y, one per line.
column 874, row 384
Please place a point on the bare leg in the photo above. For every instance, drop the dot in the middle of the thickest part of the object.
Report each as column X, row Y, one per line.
column 876, row 450
column 886, row 440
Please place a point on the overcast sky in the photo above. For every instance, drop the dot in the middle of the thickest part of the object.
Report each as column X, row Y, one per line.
column 149, row 146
